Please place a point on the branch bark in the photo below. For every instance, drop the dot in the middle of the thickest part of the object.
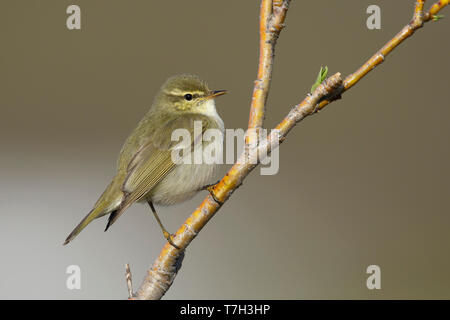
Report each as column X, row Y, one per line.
column 160, row 276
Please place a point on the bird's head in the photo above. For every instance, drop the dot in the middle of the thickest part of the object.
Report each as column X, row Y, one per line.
column 187, row 93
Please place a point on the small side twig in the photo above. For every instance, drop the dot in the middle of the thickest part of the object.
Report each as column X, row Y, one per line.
column 129, row 281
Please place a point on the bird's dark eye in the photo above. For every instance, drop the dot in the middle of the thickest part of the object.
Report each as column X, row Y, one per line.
column 188, row 97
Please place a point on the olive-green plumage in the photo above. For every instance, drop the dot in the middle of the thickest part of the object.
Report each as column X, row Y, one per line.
column 145, row 170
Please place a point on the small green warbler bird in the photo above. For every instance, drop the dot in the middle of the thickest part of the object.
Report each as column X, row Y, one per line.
column 146, row 171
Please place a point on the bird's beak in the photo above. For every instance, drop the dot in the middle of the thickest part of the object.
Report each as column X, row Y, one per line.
column 216, row 93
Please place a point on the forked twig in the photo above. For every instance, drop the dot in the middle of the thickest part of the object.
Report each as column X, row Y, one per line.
column 161, row 275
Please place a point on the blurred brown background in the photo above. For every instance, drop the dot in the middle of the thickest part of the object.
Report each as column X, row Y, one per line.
column 364, row 182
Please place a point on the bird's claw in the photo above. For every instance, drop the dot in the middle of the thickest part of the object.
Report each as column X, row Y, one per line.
column 169, row 237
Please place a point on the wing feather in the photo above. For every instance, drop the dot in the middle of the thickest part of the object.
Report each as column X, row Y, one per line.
column 153, row 161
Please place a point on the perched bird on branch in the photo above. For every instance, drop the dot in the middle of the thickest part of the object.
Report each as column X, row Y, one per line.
column 146, row 167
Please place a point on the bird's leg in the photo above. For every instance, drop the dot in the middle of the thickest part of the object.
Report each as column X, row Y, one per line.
column 210, row 188
column 166, row 234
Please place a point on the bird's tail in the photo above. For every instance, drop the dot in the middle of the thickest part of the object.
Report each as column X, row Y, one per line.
column 95, row 213
column 102, row 207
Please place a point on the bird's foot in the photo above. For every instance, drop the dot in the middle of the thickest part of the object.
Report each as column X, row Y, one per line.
column 169, row 237
column 210, row 188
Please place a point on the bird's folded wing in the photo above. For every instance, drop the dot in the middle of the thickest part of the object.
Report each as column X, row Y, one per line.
column 154, row 160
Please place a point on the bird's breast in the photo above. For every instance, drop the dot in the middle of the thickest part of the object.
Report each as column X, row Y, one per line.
column 182, row 183
column 186, row 179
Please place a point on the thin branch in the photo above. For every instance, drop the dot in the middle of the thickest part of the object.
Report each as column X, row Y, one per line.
column 418, row 11
column 129, row 281
column 271, row 22
column 160, row 277
column 434, row 10
column 378, row 58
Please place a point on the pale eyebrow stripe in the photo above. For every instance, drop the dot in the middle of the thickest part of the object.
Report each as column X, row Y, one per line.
column 180, row 93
